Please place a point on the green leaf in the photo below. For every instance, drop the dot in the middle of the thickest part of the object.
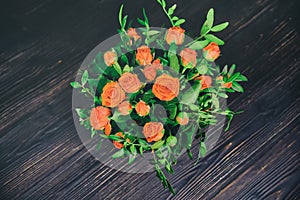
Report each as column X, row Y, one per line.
column 175, row 18
column 81, row 113
column 223, row 95
column 237, row 87
column 202, row 69
column 133, row 149
column 233, row 77
column 173, row 111
column 179, row 22
column 153, row 32
column 171, row 10
column 232, row 69
column 241, row 78
column 191, row 95
column 93, row 132
column 158, row 144
column 119, row 154
column 215, row 39
column 203, row 149
column 141, row 21
column 120, row 14
column 199, row 45
column 225, row 69
column 163, row 3
column 131, row 159
column 84, row 77
column 171, row 141
column 210, row 18
column 220, row 27
column 75, row 85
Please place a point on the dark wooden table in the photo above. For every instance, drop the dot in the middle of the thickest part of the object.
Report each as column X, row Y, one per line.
column 43, row 43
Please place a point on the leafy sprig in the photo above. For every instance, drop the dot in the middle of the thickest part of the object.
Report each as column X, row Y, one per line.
column 175, row 21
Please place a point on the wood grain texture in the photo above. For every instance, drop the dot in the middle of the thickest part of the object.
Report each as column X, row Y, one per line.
column 43, row 44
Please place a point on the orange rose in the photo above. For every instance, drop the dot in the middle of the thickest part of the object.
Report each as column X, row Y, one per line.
column 153, row 131
column 188, row 57
column 99, row 117
column 150, row 70
column 211, row 52
column 131, row 32
column 182, row 118
column 112, row 94
column 107, row 129
column 119, row 145
column 142, row 108
column 130, row 82
column 175, row 34
column 206, row 81
column 144, row 56
column 225, row 85
column 166, row 87
column 125, row 108
column 110, row 58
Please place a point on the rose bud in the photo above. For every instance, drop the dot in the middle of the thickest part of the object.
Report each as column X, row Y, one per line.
column 119, row 145
column 112, row 94
column 110, row 58
column 107, row 129
column 150, row 71
column 176, row 35
column 188, row 58
column 130, row 82
column 205, row 81
column 166, row 87
column 225, row 85
column 125, row 108
column 99, row 117
column 131, row 32
column 144, row 56
column 211, row 52
column 182, row 118
column 153, row 131
column 142, row 109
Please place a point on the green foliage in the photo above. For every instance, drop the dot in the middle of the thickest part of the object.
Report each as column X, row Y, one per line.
column 175, row 21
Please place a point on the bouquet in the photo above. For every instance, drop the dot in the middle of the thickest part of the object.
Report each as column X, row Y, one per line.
column 157, row 90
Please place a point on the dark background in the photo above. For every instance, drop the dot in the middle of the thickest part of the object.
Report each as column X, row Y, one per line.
column 42, row 44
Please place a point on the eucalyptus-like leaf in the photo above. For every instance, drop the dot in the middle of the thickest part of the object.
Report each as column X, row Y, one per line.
column 119, row 154
column 210, row 18
column 199, row 45
column 84, row 77
column 220, row 27
column 158, row 144
column 75, row 85
column 214, row 38
column 237, row 87
column 179, row 22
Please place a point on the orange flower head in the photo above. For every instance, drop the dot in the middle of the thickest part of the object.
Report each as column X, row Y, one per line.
column 107, row 129
column 206, row 81
column 99, row 117
column 125, row 108
column 144, row 56
column 188, row 58
column 166, row 87
column 150, row 71
column 211, row 52
column 225, row 85
column 130, row 82
column 119, row 145
column 153, row 131
column 142, row 109
column 110, row 58
column 182, row 118
column 176, row 35
column 131, row 32
column 112, row 95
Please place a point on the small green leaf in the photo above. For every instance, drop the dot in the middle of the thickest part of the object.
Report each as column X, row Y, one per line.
column 163, row 3
column 199, row 45
column 220, row 27
column 232, row 69
column 233, row 77
column 81, row 113
column 75, row 85
column 210, row 18
column 179, row 22
column 215, row 39
column 237, row 87
column 158, row 144
column 223, row 95
column 141, row 21
column 119, row 154
column 175, row 18
column 84, row 77
column 203, row 149
column 133, row 149
column 241, row 78
column 120, row 14
column 202, row 69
